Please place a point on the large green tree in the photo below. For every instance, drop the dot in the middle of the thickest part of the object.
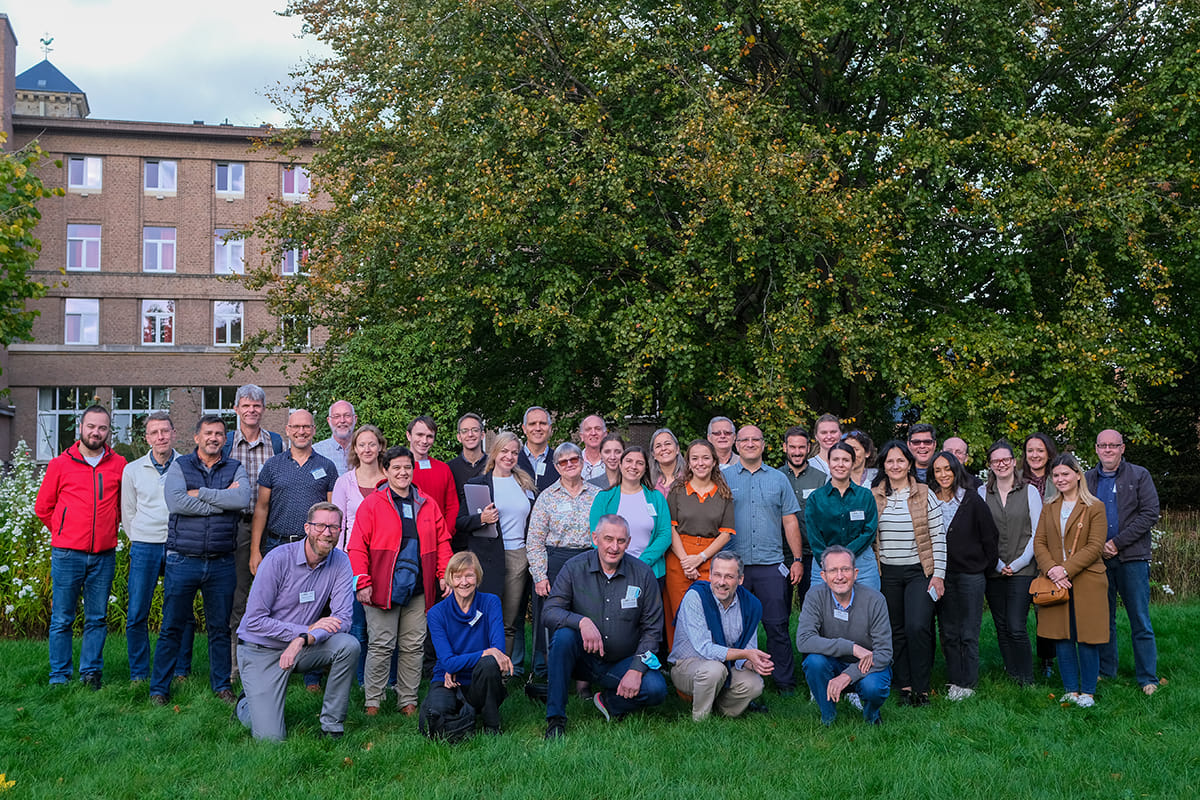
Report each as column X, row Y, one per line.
column 979, row 213
column 20, row 191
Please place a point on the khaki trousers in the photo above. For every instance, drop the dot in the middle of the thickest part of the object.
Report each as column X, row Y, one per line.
column 704, row 680
column 401, row 628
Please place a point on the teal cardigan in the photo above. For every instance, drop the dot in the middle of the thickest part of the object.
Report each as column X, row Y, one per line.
column 608, row 501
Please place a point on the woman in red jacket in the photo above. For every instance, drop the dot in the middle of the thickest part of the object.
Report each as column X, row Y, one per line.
column 399, row 549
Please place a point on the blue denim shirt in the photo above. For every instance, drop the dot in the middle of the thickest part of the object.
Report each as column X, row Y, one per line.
column 760, row 500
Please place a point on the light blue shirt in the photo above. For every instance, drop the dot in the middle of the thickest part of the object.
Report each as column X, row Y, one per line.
column 760, row 500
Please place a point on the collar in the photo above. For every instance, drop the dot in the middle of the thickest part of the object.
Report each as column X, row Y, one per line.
column 687, row 487
column 238, row 437
column 1106, row 474
column 732, row 603
column 301, row 558
column 594, row 565
column 839, row 605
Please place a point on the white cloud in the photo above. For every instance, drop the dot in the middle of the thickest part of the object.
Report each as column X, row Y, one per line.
column 168, row 62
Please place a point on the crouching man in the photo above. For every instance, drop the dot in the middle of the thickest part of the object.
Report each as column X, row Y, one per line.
column 283, row 630
column 845, row 638
column 716, row 657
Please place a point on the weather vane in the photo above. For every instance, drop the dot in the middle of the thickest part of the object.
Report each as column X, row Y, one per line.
column 46, row 48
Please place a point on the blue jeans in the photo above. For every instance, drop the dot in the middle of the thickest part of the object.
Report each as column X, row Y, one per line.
column 872, row 688
column 568, row 659
column 867, row 566
column 146, row 562
column 216, row 579
column 75, row 574
column 1080, row 669
column 1132, row 580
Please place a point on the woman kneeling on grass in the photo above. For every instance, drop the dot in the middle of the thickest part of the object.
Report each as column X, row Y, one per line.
column 1068, row 545
column 467, row 631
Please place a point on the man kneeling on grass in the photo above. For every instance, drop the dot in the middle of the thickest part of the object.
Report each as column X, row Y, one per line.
column 283, row 629
column 606, row 615
column 846, row 638
column 716, row 657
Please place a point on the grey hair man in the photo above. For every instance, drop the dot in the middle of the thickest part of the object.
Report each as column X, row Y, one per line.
column 341, row 420
column 721, row 432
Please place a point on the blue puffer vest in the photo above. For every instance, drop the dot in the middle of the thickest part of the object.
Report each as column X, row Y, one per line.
column 211, row 535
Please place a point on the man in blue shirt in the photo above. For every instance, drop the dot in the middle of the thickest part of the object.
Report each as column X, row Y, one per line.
column 1131, row 505
column 283, row 629
column 764, row 514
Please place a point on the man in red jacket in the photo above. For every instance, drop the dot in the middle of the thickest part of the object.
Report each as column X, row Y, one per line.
column 80, row 503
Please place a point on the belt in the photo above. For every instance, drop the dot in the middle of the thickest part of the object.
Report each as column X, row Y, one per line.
column 205, row 556
column 285, row 539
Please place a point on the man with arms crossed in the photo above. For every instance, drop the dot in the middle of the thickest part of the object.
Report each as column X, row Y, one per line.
column 342, row 420
column 845, row 638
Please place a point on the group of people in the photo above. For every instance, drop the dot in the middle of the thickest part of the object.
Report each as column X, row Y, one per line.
column 352, row 558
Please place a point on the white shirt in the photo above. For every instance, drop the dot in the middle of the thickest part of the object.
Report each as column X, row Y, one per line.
column 513, row 505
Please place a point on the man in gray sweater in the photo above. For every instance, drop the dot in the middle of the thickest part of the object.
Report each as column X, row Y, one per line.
column 846, row 638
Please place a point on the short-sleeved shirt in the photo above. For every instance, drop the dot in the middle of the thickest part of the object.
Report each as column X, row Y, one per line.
column 705, row 516
column 294, row 488
column 760, row 500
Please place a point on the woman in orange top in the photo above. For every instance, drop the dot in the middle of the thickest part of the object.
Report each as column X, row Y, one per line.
column 701, row 507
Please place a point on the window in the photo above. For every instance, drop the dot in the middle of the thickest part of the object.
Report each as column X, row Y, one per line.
column 158, row 322
column 84, row 173
column 219, row 400
column 295, row 183
column 231, row 179
column 294, row 262
column 83, row 247
column 160, row 176
column 158, row 249
column 83, row 321
column 292, row 334
column 58, row 417
column 130, row 407
column 227, row 323
column 228, row 256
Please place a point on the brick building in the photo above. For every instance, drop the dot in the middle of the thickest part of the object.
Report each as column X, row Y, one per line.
column 145, row 307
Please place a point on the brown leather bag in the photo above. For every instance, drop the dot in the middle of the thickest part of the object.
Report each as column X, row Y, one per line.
column 1046, row 592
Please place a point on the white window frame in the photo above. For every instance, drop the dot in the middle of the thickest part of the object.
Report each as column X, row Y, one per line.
column 167, row 178
column 58, row 418
column 92, row 182
column 82, row 310
column 77, row 238
column 229, row 257
column 231, row 168
column 300, row 175
column 154, row 318
column 128, row 408
column 293, row 260
column 159, row 245
column 228, row 316
column 284, row 321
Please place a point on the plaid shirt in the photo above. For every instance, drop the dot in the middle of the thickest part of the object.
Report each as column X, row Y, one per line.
column 252, row 455
column 558, row 520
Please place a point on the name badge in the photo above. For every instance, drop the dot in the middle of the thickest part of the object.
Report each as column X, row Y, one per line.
column 651, row 509
column 308, row 597
column 423, row 463
column 318, row 473
column 784, row 571
column 806, row 492
column 541, row 469
column 857, row 516
column 631, row 596
column 478, row 616
column 844, row 616
column 408, row 514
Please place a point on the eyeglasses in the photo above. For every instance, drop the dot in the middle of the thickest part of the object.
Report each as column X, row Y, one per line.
column 921, row 442
column 324, row 527
column 470, row 430
column 722, row 434
column 300, row 427
column 837, row 570
column 568, row 461
column 1001, row 462
column 1109, row 446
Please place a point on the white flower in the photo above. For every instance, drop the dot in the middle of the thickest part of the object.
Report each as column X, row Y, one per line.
column 9, row 609
column 112, row 598
column 3, row 568
column 1167, row 589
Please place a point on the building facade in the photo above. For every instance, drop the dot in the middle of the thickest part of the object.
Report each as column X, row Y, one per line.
column 145, row 307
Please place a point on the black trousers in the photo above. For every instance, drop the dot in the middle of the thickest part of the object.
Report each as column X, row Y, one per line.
column 911, row 611
column 485, row 693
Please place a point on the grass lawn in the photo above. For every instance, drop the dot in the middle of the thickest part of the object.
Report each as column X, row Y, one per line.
column 1006, row 742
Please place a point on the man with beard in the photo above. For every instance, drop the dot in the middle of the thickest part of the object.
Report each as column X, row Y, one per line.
column 342, row 420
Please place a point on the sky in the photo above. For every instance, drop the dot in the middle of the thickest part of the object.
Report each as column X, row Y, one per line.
column 167, row 61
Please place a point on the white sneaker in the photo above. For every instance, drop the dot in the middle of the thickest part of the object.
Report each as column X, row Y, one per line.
column 1084, row 700
column 853, row 699
column 1070, row 697
column 957, row 693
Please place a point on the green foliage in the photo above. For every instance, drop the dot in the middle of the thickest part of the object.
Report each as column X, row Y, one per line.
column 982, row 214
column 20, row 190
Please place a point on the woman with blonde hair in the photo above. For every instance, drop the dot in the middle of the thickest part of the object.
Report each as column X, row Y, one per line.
column 496, row 532
column 667, row 464
column 1069, row 547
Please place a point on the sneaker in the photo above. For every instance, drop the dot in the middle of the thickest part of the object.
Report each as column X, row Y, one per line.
column 92, row 681
column 226, row 696
column 556, row 728
column 957, row 693
column 1070, row 697
column 1084, row 700
column 1149, row 689
column 598, row 700
column 158, row 699
column 853, row 699
column 757, row 707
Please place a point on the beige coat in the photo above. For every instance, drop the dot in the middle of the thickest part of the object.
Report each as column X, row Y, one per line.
column 1084, row 564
